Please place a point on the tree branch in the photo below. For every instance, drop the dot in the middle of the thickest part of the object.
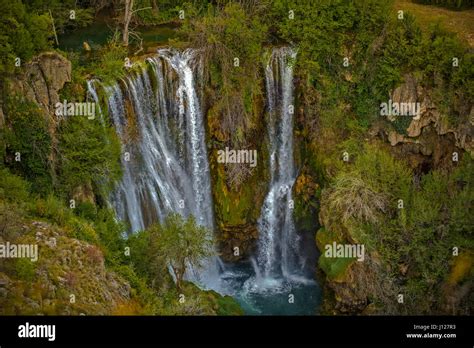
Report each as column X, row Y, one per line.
column 140, row 9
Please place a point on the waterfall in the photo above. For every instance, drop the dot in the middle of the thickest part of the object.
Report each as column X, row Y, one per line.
column 283, row 266
column 157, row 115
column 92, row 92
column 277, row 256
column 158, row 118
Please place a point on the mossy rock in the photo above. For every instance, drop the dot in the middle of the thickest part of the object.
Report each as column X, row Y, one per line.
column 334, row 267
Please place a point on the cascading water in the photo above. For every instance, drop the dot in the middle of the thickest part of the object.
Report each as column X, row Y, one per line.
column 278, row 281
column 157, row 115
column 158, row 118
column 165, row 164
column 277, row 248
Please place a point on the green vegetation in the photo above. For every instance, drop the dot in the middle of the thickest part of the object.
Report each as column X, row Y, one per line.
column 459, row 22
column 404, row 223
column 231, row 38
column 95, row 236
column 90, row 155
column 23, row 34
column 351, row 56
column 28, row 143
column 333, row 267
column 179, row 244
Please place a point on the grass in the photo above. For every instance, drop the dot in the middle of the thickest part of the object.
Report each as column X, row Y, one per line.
column 459, row 22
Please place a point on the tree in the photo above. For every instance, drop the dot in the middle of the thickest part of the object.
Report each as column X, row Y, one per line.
column 129, row 12
column 181, row 244
column 126, row 20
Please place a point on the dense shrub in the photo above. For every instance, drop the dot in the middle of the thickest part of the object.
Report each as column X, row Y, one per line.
column 89, row 154
column 28, row 143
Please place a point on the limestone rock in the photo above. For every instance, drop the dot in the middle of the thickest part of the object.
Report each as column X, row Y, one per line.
column 243, row 237
column 405, row 93
column 350, row 298
column 42, row 79
column 426, row 129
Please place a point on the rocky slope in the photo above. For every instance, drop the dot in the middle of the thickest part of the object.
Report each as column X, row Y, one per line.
column 69, row 277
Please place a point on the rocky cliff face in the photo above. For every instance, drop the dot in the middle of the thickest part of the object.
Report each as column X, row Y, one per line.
column 42, row 79
column 40, row 82
column 430, row 139
column 238, row 189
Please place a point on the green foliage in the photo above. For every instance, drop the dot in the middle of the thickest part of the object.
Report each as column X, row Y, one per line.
column 436, row 215
column 25, row 269
column 177, row 243
column 90, row 153
column 452, row 85
column 380, row 49
column 152, row 304
column 27, row 134
column 86, row 210
column 182, row 243
column 12, row 187
column 105, row 62
column 400, row 52
column 326, row 33
column 52, row 209
column 228, row 306
column 371, row 188
column 405, row 49
column 108, row 61
column 162, row 11
column 64, row 20
column 224, row 34
column 22, row 34
column 322, row 30
column 334, row 267
column 382, row 172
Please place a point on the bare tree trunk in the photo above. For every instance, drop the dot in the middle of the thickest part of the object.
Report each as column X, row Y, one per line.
column 126, row 20
column 54, row 28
